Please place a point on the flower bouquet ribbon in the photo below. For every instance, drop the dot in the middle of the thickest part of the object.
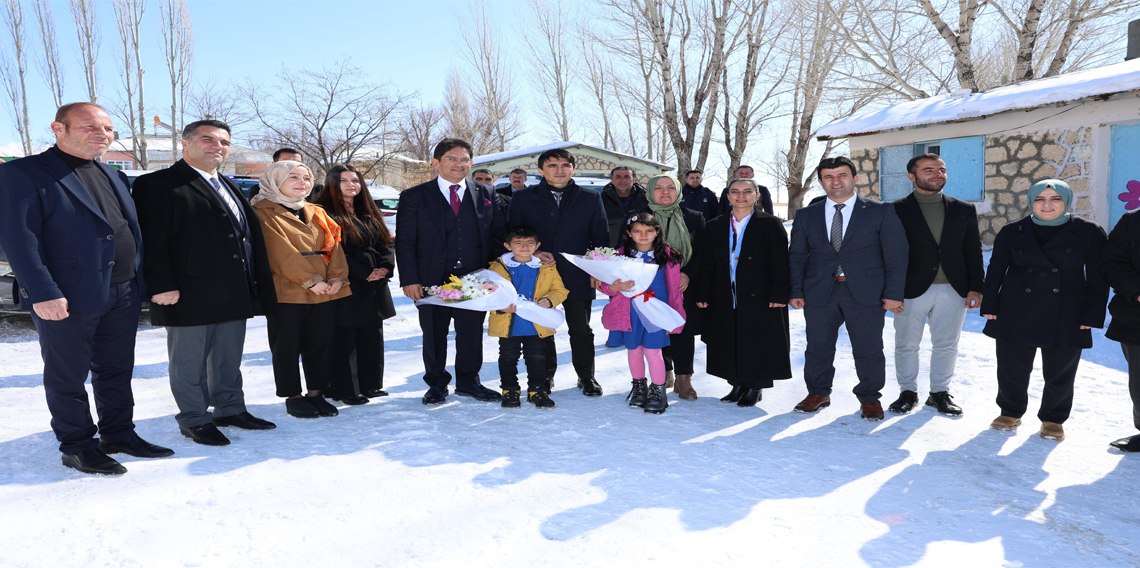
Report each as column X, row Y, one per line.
column 607, row 266
column 480, row 291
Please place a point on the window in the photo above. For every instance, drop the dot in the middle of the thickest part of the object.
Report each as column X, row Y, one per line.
column 965, row 167
column 120, row 164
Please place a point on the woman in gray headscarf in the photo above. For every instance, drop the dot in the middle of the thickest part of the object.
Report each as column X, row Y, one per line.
column 1043, row 291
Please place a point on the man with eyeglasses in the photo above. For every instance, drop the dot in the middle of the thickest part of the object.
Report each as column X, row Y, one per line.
column 448, row 226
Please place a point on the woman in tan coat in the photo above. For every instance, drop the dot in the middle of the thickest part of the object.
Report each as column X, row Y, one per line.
column 309, row 273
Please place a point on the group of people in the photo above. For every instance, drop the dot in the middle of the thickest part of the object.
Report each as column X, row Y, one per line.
column 88, row 250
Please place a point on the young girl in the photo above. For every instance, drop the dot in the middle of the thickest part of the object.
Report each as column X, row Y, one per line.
column 644, row 240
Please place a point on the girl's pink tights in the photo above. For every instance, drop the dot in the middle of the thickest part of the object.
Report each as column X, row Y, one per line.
column 637, row 358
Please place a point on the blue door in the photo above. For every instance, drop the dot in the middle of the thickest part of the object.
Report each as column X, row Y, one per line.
column 1123, row 172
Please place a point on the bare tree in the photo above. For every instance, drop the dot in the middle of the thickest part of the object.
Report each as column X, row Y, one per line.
column 551, row 54
column 216, row 100
column 128, row 20
column 593, row 69
column 419, row 131
column 462, row 119
column 14, row 71
column 639, row 101
column 87, row 30
column 495, row 81
column 178, row 53
column 333, row 116
column 49, row 57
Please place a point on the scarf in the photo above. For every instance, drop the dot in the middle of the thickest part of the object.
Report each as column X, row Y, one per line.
column 1063, row 190
column 672, row 219
column 330, row 230
column 271, row 181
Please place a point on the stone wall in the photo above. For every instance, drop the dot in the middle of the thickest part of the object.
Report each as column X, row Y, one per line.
column 1013, row 163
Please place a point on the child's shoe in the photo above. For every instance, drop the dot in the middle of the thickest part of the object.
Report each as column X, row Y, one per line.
column 657, row 401
column 540, row 399
column 511, row 399
column 638, row 393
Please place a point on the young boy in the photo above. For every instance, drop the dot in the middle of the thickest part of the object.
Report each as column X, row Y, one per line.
column 540, row 284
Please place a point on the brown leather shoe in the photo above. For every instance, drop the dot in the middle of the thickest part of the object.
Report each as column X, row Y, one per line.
column 683, row 387
column 1005, row 423
column 813, row 403
column 872, row 411
column 1052, row 431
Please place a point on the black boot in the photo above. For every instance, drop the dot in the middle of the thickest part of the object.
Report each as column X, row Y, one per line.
column 656, row 401
column 749, row 398
column 942, row 401
column 905, row 403
column 539, row 399
column 734, row 395
column 511, row 398
column 637, row 394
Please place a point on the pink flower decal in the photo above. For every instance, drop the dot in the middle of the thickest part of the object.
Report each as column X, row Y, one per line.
column 486, row 202
column 1131, row 198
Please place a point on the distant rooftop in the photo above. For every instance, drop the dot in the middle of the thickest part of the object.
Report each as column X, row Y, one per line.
column 555, row 145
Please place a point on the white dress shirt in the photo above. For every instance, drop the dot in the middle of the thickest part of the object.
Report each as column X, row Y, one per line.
column 224, row 191
column 829, row 213
column 445, row 187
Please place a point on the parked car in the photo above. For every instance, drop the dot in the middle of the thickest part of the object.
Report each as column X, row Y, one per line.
column 245, row 183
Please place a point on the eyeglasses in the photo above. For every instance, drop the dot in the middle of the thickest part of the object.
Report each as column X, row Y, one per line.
column 454, row 160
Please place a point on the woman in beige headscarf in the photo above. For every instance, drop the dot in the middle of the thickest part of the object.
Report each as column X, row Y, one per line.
column 309, row 272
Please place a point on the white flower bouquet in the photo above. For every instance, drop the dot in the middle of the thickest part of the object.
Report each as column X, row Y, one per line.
column 480, row 291
column 606, row 265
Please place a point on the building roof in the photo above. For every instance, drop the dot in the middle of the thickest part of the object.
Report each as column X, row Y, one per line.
column 1099, row 82
column 535, row 150
column 159, row 148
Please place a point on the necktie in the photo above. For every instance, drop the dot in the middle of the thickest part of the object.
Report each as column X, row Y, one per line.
column 226, row 198
column 455, row 199
column 837, row 231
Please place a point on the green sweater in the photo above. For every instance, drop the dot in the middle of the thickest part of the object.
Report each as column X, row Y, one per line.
column 934, row 211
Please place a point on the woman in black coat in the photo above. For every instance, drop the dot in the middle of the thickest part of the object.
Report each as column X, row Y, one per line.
column 1120, row 267
column 682, row 227
column 1043, row 291
column 749, row 344
column 371, row 261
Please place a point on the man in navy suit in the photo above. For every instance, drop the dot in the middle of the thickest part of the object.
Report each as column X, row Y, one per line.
column 448, row 226
column 69, row 228
column 848, row 257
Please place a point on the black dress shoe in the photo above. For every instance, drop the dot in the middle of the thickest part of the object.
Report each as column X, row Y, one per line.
column 749, row 397
column 734, row 394
column 300, row 408
column 479, row 392
column 245, row 421
column 1130, row 444
column 941, row 401
column 590, row 386
column 93, row 461
column 435, row 396
column 324, row 407
column 353, row 400
column 206, row 434
column 138, row 448
column 373, row 393
column 905, row 403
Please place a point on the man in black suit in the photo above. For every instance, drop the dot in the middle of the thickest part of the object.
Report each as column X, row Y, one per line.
column 698, row 197
column 944, row 277
column 764, row 203
column 71, row 235
column 448, row 226
column 568, row 219
column 848, row 263
column 208, row 272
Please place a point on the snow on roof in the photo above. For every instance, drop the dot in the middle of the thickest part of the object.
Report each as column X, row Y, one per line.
column 158, row 148
column 555, row 145
column 1100, row 81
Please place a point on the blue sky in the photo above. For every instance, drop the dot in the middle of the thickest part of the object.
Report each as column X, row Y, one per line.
column 408, row 44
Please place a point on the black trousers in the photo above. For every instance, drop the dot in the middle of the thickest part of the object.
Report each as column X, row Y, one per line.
column 101, row 342
column 533, row 351
column 1132, row 354
column 435, row 322
column 679, row 353
column 368, row 345
column 306, row 331
column 581, row 340
column 864, row 327
column 1014, row 365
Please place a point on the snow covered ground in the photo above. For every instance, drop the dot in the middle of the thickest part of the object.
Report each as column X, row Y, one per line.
column 592, row 482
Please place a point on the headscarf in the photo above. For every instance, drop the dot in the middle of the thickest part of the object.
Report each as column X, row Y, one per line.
column 271, row 181
column 1063, row 190
column 672, row 219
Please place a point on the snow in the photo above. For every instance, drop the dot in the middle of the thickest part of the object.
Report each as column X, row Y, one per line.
column 487, row 158
column 592, row 482
column 1099, row 81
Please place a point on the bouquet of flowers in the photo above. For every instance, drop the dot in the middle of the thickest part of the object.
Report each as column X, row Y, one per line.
column 479, row 291
column 607, row 265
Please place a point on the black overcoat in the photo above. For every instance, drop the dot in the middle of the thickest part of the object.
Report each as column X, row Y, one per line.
column 1041, row 295
column 192, row 247
column 959, row 250
column 1120, row 267
column 370, row 302
column 749, row 345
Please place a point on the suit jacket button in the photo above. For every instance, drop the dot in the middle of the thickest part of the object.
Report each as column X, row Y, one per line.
column 232, row 236
column 1020, row 252
column 1029, row 270
column 236, row 256
column 1028, row 290
column 1055, row 290
column 112, row 263
column 1068, row 250
column 110, row 237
